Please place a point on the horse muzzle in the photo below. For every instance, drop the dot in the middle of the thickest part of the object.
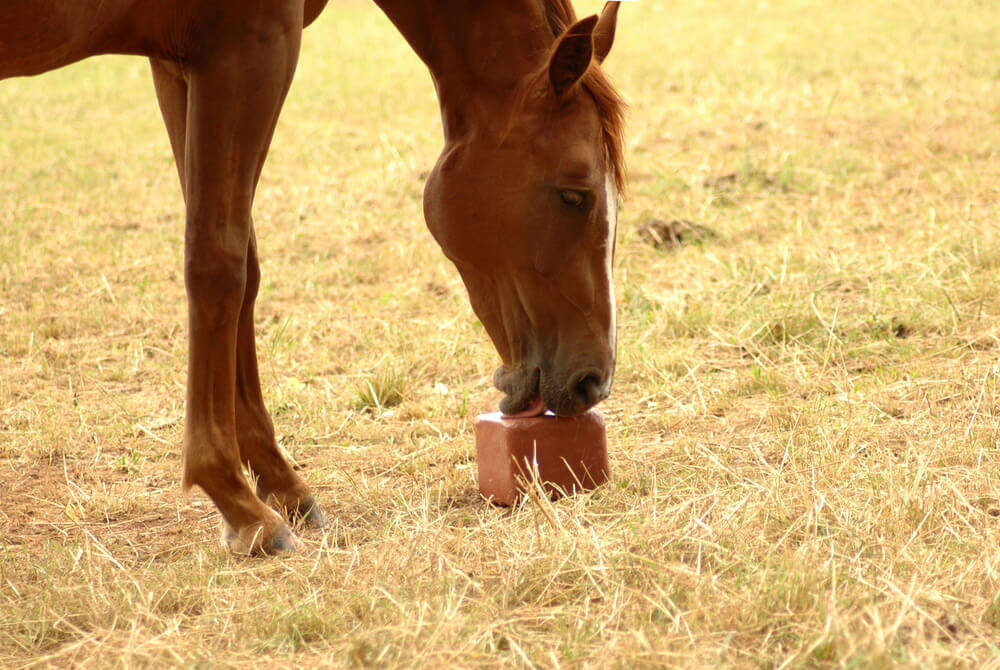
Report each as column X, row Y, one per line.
column 566, row 394
column 575, row 393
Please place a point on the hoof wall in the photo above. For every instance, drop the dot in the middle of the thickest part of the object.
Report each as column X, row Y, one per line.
column 281, row 542
column 254, row 541
column 310, row 515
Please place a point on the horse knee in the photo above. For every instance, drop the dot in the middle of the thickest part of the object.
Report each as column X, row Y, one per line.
column 216, row 281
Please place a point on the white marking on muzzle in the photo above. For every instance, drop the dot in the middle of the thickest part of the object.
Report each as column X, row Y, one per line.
column 611, row 203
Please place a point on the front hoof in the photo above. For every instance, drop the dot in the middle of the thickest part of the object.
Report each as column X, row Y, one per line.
column 296, row 507
column 309, row 514
column 257, row 540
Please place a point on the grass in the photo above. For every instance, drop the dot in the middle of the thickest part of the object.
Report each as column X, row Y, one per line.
column 383, row 389
column 804, row 433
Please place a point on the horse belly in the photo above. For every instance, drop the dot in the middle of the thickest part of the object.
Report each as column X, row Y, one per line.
column 41, row 35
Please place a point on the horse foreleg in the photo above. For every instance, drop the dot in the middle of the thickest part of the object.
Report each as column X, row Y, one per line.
column 277, row 482
column 234, row 95
column 171, row 93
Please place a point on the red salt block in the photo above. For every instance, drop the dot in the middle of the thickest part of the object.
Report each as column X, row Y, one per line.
column 565, row 454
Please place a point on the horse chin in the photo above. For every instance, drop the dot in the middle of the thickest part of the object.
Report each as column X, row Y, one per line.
column 520, row 388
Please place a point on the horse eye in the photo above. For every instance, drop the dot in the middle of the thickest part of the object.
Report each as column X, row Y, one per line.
column 572, row 198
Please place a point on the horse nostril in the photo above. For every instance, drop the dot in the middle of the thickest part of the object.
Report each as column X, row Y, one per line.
column 588, row 390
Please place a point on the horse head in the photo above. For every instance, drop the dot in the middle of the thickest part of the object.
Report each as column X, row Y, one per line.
column 525, row 203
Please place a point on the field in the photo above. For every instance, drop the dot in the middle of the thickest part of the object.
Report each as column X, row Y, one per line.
column 804, row 428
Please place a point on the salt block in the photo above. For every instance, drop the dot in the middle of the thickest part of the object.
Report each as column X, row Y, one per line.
column 565, row 454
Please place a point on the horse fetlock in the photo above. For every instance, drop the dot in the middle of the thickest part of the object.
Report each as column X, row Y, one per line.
column 211, row 469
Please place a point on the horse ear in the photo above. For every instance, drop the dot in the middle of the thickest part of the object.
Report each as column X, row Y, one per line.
column 572, row 54
column 604, row 33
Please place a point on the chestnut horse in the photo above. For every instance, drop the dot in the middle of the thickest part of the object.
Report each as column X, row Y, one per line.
column 523, row 198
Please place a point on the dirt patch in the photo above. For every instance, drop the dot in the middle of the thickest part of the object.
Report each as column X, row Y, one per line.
column 667, row 235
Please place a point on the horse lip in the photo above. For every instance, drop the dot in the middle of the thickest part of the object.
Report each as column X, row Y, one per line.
column 519, row 386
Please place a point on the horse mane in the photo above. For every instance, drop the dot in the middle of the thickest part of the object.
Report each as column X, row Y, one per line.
column 559, row 15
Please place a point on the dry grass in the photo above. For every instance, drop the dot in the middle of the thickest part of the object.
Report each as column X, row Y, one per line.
column 804, row 428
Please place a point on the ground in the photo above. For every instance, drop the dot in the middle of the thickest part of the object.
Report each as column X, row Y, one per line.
column 803, row 431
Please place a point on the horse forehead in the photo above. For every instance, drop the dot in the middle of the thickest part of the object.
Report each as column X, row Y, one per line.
column 572, row 149
column 573, row 133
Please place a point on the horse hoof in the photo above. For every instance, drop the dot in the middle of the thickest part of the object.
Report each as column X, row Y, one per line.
column 254, row 540
column 303, row 512
column 310, row 515
column 282, row 542
column 298, row 510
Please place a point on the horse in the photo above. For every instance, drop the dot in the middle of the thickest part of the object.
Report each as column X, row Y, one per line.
column 523, row 199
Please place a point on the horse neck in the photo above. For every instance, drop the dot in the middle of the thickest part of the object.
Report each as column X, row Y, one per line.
column 477, row 52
